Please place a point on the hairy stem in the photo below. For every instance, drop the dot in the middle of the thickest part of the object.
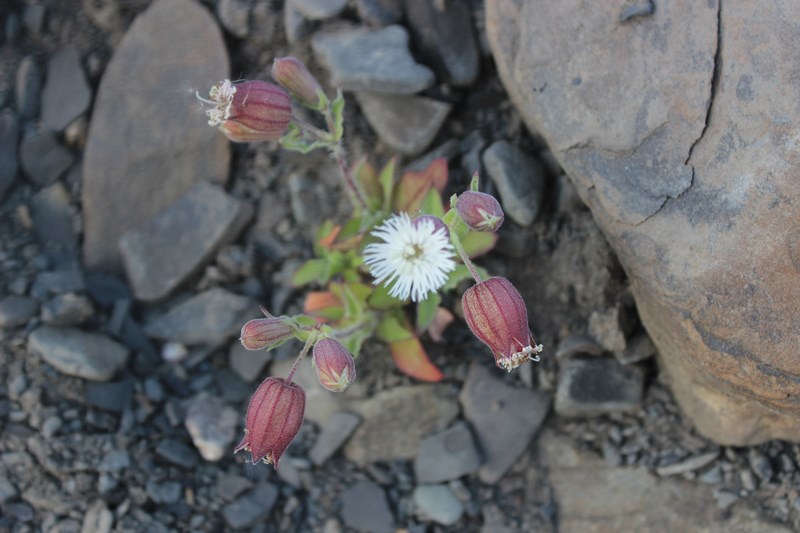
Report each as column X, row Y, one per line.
column 464, row 257
column 337, row 151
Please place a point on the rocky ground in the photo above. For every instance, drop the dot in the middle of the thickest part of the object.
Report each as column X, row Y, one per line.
column 124, row 385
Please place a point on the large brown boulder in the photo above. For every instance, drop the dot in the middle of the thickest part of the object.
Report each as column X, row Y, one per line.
column 679, row 127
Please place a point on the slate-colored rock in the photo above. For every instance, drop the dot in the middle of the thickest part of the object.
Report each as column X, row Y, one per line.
column 447, row 455
column 67, row 309
column 177, row 453
column 601, row 385
column 296, row 26
column 396, row 420
column 114, row 396
column 334, row 433
column 253, row 507
column 77, row 353
column 211, row 424
column 372, row 60
column 638, row 348
column 321, row 404
column 9, row 137
column 17, row 310
column 505, row 419
column 53, row 214
column 66, row 93
column 209, row 317
column 28, row 88
column 50, row 282
column 519, row 179
column 246, row 363
column 234, row 15
column 673, row 138
column 407, row 124
column 437, row 503
column 380, row 12
column 364, row 508
column 442, row 31
column 166, row 493
column 98, row 519
column 163, row 253
column 319, row 9
column 43, row 158
column 133, row 172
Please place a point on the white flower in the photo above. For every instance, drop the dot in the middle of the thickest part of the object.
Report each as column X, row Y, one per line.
column 415, row 257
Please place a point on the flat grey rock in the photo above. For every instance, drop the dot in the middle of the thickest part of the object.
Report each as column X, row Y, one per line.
column 212, row 425
column 66, row 93
column 9, row 137
column 372, row 60
column 505, row 419
column 407, row 124
column 442, row 31
column 164, row 252
column 163, row 493
column 590, row 387
column 437, row 503
column 334, row 433
column 171, row 49
column 177, row 453
column 447, row 455
column 319, row 9
column 380, row 12
column 396, row 420
column 519, row 179
column 114, row 396
column 251, row 508
column 53, row 215
column 43, row 158
column 77, row 353
column 17, row 310
column 28, row 88
column 68, row 309
column 209, row 317
column 247, row 364
column 364, row 508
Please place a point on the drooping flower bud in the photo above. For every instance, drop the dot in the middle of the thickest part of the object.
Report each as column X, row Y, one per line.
column 269, row 333
column 496, row 314
column 295, row 77
column 274, row 418
column 335, row 366
column 438, row 224
column 249, row 111
column 480, row 211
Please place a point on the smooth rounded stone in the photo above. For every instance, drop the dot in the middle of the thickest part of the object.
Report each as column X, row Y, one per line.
column 98, row 519
column 33, row 19
column 437, row 503
column 66, row 93
column 407, row 124
column 380, row 12
column 172, row 49
column 253, row 507
column 446, row 455
column 442, row 32
column 606, row 327
column 394, row 422
column 364, row 508
column 309, row 200
column 334, row 433
column 576, row 344
column 229, row 486
column 77, row 353
column 211, row 424
column 234, row 15
column 505, row 419
column 169, row 492
column 597, row 386
column 319, row 9
column 9, row 137
column 43, row 158
column 209, row 317
column 17, row 310
column 372, row 60
column 177, row 453
column 246, row 363
column 67, row 309
column 52, row 214
column 673, row 149
column 112, row 396
column 164, row 252
column 638, row 348
column 519, row 179
column 321, row 404
column 28, row 88
column 296, row 26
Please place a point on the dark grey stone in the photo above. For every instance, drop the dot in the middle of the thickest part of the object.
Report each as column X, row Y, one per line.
column 33, row 18
column 246, row 363
column 519, row 179
column 446, row 455
column 232, row 388
column 251, row 508
column 380, row 12
column 310, row 201
column 234, row 15
column 209, row 317
column 505, row 419
column 364, row 507
column 67, row 309
column 43, row 158
column 168, row 492
column 334, row 434
column 163, row 253
column 589, row 387
column 319, row 9
column 17, row 310
column 112, row 396
column 77, row 353
column 297, row 27
column 52, row 223
column 576, row 344
column 437, row 503
column 407, row 124
column 367, row 60
column 638, row 348
column 761, row 465
column 443, row 34
column 66, row 93
column 28, row 88
column 229, row 486
column 60, row 281
column 105, row 289
column 9, row 137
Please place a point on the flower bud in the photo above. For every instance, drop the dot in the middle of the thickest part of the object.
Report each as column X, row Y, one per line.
column 249, row 111
column 479, row 211
column 438, row 224
column 294, row 76
column 261, row 333
column 335, row 366
column 496, row 314
column 274, row 418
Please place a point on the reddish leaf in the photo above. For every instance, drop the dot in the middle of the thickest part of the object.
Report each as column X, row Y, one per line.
column 441, row 320
column 323, row 305
column 413, row 186
column 411, row 359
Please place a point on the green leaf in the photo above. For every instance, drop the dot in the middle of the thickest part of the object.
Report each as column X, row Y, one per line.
column 335, row 262
column 432, row 204
column 311, row 270
column 323, row 101
column 337, row 109
column 426, row 311
column 394, row 327
column 461, row 273
column 381, row 300
column 473, row 184
column 478, row 242
column 294, row 141
column 386, row 179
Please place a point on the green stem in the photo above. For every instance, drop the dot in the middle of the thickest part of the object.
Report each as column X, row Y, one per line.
column 464, row 257
column 337, row 151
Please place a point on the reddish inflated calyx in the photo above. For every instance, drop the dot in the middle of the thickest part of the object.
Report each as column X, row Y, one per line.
column 274, row 417
column 295, row 77
column 496, row 314
column 249, row 111
column 335, row 366
column 480, row 211
column 270, row 332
